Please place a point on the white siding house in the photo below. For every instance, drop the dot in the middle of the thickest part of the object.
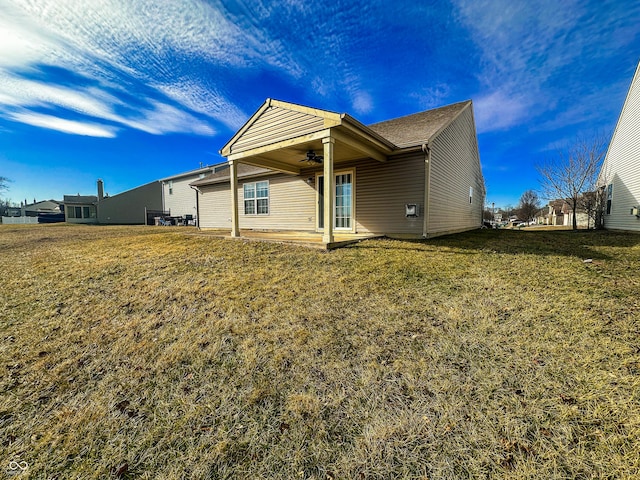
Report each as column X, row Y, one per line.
column 178, row 198
column 416, row 176
column 620, row 174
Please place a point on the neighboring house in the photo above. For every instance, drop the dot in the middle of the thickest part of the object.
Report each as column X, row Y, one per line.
column 560, row 213
column 133, row 207
column 555, row 214
column 13, row 211
column 47, row 211
column 45, row 206
column 81, row 208
column 620, row 173
column 582, row 217
column 303, row 169
column 178, row 198
column 35, row 208
column 137, row 206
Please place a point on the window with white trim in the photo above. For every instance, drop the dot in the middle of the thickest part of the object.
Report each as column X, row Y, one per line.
column 609, row 197
column 470, row 194
column 256, row 198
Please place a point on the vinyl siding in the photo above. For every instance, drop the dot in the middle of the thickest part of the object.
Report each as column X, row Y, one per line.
column 215, row 206
column 291, row 205
column 622, row 163
column 455, row 166
column 128, row 208
column 276, row 124
column 183, row 200
column 382, row 191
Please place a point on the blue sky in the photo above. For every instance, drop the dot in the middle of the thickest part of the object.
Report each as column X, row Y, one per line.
column 131, row 91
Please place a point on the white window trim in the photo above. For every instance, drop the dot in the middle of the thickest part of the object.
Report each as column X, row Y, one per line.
column 352, row 229
column 255, row 199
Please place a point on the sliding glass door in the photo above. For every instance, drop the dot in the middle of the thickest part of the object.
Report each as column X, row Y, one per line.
column 343, row 201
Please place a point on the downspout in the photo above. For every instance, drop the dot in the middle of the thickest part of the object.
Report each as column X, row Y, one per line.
column 427, row 188
column 163, row 183
column 197, row 190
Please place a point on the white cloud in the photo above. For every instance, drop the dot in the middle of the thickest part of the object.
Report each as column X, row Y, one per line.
column 108, row 41
column 500, row 110
column 157, row 119
column 362, row 102
column 533, row 54
column 432, row 97
column 63, row 125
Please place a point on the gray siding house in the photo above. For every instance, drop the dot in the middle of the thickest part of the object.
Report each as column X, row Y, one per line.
column 130, row 207
column 126, row 208
column 303, row 169
column 620, row 173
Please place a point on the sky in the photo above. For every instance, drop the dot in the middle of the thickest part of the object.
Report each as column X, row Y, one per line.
column 132, row 91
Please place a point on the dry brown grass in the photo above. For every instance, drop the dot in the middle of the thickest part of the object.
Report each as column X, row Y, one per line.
column 148, row 353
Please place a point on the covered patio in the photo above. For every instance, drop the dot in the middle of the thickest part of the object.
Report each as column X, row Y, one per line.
column 288, row 138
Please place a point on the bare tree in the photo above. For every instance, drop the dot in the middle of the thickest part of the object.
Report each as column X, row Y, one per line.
column 573, row 172
column 529, row 205
column 4, row 183
column 508, row 211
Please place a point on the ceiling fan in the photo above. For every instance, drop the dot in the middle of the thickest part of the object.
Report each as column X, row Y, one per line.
column 312, row 158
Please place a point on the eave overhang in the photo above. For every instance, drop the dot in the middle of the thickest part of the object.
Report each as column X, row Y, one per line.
column 256, row 144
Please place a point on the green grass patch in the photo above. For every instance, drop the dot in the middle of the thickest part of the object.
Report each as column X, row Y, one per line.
column 148, row 353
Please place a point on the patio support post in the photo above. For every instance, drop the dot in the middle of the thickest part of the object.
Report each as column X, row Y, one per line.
column 329, row 189
column 233, row 180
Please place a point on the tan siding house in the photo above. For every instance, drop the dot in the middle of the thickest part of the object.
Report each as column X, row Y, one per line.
column 620, row 173
column 80, row 209
column 413, row 177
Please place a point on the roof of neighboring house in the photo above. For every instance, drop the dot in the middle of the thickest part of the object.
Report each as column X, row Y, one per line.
column 418, row 128
column 223, row 175
column 557, row 206
column 208, row 169
column 44, row 205
column 80, row 199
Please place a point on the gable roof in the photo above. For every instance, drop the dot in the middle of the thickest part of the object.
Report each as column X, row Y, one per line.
column 419, row 128
column 279, row 133
column 276, row 122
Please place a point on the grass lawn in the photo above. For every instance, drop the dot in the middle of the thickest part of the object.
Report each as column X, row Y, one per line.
column 150, row 352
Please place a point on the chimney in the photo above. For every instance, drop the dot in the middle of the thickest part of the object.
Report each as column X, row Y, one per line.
column 100, row 190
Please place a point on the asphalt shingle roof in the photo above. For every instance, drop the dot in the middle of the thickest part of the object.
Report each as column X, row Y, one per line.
column 80, row 199
column 418, row 128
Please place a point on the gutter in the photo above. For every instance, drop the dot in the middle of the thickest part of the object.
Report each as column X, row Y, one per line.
column 197, row 190
column 427, row 188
